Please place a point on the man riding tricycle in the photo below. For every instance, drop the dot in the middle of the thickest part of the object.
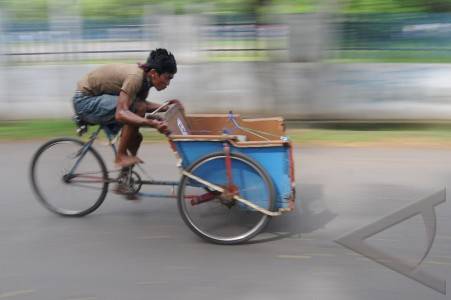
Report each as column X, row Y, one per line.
column 235, row 173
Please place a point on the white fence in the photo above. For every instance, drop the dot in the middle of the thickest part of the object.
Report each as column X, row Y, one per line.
column 294, row 90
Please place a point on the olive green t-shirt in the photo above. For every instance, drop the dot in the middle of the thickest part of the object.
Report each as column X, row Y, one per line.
column 114, row 78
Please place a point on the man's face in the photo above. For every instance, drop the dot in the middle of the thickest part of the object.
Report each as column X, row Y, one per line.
column 160, row 81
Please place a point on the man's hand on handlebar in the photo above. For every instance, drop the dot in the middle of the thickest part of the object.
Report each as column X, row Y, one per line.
column 162, row 127
column 159, row 124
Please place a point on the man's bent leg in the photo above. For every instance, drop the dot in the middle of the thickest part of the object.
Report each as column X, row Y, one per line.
column 134, row 146
column 130, row 140
column 140, row 110
column 127, row 140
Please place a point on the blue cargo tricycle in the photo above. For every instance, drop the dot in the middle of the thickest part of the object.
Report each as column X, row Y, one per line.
column 235, row 174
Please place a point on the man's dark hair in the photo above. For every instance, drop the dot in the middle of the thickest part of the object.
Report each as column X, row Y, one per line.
column 161, row 60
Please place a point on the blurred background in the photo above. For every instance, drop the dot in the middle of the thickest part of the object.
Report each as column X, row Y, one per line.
column 302, row 59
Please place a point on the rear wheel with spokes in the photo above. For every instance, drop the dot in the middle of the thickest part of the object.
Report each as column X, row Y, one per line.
column 218, row 217
column 69, row 179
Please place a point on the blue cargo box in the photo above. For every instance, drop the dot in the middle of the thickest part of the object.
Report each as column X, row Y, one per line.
column 262, row 139
column 275, row 160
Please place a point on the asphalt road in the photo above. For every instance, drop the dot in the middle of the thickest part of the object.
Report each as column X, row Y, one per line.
column 130, row 250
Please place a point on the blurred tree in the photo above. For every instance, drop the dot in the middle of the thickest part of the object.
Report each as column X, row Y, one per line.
column 32, row 10
column 114, row 9
column 111, row 9
column 394, row 6
column 430, row 5
column 119, row 9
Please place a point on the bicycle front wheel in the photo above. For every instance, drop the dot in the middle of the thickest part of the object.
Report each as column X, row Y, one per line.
column 216, row 216
column 68, row 178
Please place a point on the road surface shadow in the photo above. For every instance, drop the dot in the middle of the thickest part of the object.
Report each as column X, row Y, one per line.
column 311, row 214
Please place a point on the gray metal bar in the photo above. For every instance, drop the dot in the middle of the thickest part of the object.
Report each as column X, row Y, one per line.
column 156, row 195
column 157, row 182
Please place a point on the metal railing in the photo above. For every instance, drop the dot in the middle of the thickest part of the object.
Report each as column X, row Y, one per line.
column 25, row 43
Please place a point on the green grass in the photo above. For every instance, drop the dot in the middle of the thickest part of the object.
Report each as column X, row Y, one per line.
column 50, row 128
column 388, row 56
column 358, row 137
column 20, row 130
column 368, row 133
column 304, row 133
column 332, row 56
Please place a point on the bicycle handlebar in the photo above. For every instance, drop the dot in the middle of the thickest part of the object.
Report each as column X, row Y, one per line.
column 159, row 108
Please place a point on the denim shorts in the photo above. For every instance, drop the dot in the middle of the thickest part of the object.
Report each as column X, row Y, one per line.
column 97, row 109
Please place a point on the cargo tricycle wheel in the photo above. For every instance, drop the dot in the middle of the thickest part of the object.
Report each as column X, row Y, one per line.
column 217, row 216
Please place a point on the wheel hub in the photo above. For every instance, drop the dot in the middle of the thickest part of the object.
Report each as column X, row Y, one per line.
column 226, row 197
column 67, row 178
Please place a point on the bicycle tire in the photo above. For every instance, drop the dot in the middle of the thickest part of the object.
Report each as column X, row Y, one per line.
column 38, row 184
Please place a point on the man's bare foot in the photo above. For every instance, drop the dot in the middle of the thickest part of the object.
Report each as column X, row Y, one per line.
column 127, row 160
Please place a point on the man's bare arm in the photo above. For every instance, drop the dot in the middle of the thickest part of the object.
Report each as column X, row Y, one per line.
column 124, row 115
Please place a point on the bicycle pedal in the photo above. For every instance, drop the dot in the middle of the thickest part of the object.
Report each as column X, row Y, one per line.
column 82, row 130
column 82, row 126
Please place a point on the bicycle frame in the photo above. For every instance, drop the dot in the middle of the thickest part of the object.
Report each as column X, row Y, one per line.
column 82, row 152
column 110, row 136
